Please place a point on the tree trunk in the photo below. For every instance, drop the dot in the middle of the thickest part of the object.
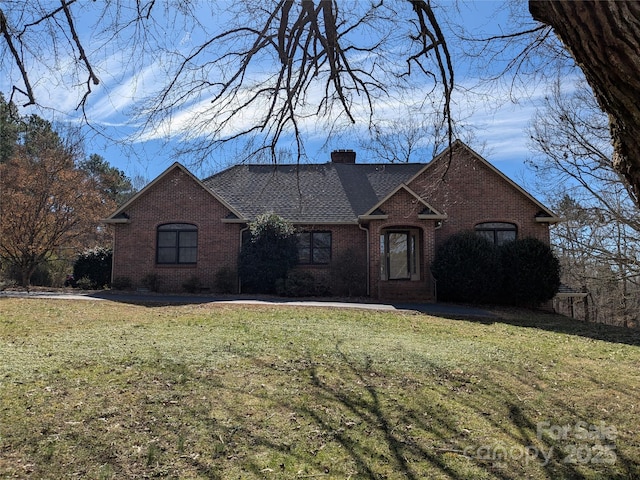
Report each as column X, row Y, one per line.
column 25, row 275
column 604, row 39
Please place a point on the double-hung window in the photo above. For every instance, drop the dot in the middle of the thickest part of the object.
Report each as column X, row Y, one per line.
column 314, row 248
column 177, row 244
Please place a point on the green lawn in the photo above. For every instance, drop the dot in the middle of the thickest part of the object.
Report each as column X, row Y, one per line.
column 105, row 390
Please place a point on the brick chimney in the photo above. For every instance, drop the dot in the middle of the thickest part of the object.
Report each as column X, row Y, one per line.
column 343, row 156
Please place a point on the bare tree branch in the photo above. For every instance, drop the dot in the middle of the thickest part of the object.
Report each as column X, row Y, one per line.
column 83, row 57
column 18, row 59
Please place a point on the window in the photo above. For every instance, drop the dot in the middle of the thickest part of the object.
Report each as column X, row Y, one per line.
column 497, row 232
column 177, row 244
column 314, row 248
column 400, row 255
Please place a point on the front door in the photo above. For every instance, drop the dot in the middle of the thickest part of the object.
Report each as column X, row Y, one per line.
column 399, row 255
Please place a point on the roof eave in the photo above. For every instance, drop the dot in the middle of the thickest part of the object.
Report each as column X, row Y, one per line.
column 234, row 220
column 116, row 220
column 549, row 220
column 316, row 222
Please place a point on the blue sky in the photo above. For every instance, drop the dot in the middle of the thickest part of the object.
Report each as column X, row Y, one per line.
column 495, row 127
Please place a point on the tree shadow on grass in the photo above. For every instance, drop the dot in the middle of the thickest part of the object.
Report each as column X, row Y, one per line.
column 334, row 415
column 447, row 448
column 546, row 321
column 366, row 405
column 376, row 426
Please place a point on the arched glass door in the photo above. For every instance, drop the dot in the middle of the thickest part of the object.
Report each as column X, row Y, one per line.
column 400, row 255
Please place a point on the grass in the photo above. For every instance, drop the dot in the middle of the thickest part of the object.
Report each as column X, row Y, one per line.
column 104, row 390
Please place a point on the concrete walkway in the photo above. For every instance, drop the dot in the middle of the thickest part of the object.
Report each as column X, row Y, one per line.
column 436, row 309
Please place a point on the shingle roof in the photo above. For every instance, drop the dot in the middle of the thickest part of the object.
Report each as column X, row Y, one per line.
column 309, row 193
column 568, row 291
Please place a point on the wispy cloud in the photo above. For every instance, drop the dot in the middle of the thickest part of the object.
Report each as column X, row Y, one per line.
column 126, row 84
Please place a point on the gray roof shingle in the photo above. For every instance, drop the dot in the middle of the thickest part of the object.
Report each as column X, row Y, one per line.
column 309, row 193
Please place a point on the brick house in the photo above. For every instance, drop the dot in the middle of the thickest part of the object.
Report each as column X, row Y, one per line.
column 386, row 219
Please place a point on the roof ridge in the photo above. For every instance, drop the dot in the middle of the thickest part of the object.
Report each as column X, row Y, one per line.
column 309, row 192
column 331, row 164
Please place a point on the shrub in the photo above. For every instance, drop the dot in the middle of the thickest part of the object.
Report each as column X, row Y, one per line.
column 121, row 283
column 268, row 255
column 349, row 273
column 192, row 285
column 298, row 283
column 94, row 264
column 40, row 277
column 467, row 269
column 85, row 283
column 531, row 273
column 152, row 281
column 225, row 280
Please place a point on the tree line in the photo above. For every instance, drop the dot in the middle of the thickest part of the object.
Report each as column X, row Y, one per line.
column 52, row 197
column 598, row 241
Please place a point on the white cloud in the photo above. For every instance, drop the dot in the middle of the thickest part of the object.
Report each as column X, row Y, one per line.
column 126, row 83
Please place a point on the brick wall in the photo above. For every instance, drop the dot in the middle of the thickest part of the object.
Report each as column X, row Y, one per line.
column 175, row 198
column 470, row 192
column 348, row 245
column 402, row 210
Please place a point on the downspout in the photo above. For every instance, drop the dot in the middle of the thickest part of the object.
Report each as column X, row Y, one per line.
column 113, row 253
column 368, row 259
column 242, row 230
column 438, row 226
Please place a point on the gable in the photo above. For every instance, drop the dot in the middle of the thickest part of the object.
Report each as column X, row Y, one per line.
column 175, row 184
column 402, row 198
column 460, row 178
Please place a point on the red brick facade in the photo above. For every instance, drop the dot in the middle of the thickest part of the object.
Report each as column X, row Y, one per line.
column 175, row 198
column 402, row 211
column 448, row 195
column 470, row 192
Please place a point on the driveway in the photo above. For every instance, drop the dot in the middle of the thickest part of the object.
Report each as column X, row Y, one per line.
column 436, row 309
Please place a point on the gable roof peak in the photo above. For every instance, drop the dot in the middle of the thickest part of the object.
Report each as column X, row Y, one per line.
column 548, row 217
column 427, row 212
column 120, row 215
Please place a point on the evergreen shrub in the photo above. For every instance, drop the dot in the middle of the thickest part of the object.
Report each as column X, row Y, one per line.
column 269, row 253
column 530, row 272
column 94, row 265
column 467, row 269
